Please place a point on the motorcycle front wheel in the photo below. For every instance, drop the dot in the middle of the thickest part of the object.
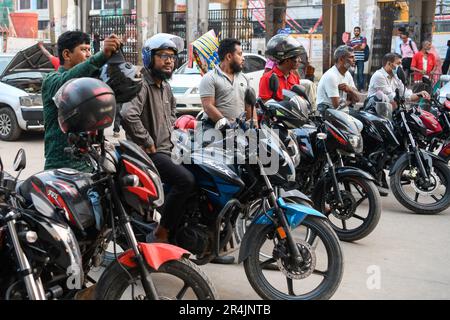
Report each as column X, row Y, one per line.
column 361, row 210
column 316, row 278
column 175, row 280
column 417, row 197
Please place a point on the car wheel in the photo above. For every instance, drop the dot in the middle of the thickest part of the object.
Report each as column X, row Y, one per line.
column 9, row 128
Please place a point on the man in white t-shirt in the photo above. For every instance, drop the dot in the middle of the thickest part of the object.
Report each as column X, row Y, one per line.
column 337, row 83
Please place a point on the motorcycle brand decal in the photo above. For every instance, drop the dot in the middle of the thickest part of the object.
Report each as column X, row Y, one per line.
column 73, row 192
column 148, row 189
column 56, row 199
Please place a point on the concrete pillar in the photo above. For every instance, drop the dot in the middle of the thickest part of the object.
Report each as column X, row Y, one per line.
column 421, row 17
column 330, row 36
column 428, row 15
column 85, row 9
column 196, row 19
column 147, row 12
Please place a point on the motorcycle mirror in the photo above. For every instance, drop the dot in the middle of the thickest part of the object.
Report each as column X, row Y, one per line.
column 274, row 84
column 250, row 97
column 20, row 162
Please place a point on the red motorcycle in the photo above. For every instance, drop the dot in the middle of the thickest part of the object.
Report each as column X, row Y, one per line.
column 436, row 128
column 96, row 206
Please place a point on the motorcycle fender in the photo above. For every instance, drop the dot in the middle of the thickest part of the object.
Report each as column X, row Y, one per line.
column 155, row 254
column 427, row 156
column 353, row 172
column 295, row 194
column 295, row 214
column 397, row 164
column 340, row 173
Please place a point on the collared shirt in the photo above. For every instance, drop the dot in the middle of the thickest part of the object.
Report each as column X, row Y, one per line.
column 329, row 86
column 285, row 83
column 417, row 62
column 405, row 49
column 229, row 94
column 359, row 55
column 386, row 83
column 55, row 139
column 149, row 118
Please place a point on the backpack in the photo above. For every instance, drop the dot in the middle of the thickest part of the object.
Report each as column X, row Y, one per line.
column 366, row 53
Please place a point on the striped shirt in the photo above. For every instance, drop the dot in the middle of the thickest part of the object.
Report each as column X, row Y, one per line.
column 359, row 55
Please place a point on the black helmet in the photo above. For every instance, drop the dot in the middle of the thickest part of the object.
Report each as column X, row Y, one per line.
column 85, row 104
column 282, row 47
column 121, row 77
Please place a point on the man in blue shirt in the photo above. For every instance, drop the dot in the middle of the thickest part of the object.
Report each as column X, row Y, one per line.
column 358, row 44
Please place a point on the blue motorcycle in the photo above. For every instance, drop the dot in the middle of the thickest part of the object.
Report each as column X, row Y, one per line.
column 287, row 231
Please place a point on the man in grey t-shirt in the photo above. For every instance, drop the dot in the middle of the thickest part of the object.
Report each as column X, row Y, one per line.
column 222, row 90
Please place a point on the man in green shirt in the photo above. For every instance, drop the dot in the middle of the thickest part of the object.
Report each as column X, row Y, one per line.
column 76, row 62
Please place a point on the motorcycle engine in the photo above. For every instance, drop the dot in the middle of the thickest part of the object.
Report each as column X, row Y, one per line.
column 193, row 238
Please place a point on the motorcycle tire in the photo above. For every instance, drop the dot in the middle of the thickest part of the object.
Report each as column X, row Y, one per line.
column 442, row 170
column 115, row 280
column 327, row 287
column 370, row 222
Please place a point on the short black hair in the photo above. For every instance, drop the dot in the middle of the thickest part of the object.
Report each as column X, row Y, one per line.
column 390, row 57
column 227, row 46
column 405, row 34
column 402, row 29
column 359, row 28
column 70, row 40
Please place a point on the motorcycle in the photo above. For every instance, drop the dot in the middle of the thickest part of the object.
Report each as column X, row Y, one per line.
column 96, row 207
column 35, row 246
column 390, row 144
column 286, row 232
column 339, row 191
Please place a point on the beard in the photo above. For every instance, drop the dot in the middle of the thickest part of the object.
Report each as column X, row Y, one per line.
column 162, row 75
column 236, row 67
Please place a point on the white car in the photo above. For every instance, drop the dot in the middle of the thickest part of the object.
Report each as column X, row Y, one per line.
column 21, row 78
column 186, row 81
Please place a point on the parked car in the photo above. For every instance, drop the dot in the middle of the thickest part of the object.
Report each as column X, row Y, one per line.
column 186, row 81
column 21, row 78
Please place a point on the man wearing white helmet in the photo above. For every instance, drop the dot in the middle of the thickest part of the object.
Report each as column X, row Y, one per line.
column 149, row 120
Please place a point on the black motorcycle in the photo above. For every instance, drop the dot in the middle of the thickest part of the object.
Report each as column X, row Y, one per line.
column 419, row 179
column 347, row 195
column 38, row 251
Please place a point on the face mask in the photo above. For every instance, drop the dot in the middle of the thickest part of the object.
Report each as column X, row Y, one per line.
column 395, row 69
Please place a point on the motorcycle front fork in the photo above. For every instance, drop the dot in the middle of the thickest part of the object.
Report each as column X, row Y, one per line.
column 293, row 248
column 34, row 287
column 146, row 279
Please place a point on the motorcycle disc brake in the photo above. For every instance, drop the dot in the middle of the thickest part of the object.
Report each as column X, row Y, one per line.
column 303, row 270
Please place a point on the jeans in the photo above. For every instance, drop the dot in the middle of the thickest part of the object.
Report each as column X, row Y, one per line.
column 360, row 75
column 182, row 183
